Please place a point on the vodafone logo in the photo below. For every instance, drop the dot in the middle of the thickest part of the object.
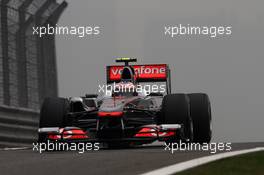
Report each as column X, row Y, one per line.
column 157, row 71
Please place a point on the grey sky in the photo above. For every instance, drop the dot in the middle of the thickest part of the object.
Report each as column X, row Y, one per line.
column 229, row 69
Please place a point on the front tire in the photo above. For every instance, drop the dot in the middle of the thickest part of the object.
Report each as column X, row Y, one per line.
column 176, row 110
column 53, row 114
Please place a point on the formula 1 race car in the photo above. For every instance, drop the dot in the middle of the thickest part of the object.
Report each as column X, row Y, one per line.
column 128, row 114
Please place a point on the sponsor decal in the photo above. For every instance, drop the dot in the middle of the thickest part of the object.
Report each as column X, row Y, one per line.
column 154, row 71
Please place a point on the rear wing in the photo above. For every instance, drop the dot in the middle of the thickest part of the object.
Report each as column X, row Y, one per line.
column 144, row 73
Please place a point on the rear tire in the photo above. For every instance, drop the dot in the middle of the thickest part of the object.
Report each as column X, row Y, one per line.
column 176, row 110
column 201, row 116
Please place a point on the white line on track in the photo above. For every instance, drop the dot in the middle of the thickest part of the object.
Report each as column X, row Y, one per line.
column 172, row 169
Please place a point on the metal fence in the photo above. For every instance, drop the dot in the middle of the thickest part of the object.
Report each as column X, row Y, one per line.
column 27, row 62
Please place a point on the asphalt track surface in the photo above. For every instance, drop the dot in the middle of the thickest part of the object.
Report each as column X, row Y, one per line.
column 105, row 161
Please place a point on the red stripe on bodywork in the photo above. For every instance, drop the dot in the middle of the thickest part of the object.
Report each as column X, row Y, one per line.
column 110, row 114
column 150, row 132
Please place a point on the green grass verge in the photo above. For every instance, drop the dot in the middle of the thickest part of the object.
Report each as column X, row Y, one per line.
column 247, row 164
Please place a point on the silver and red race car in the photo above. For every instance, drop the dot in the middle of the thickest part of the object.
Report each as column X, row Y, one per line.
column 129, row 113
